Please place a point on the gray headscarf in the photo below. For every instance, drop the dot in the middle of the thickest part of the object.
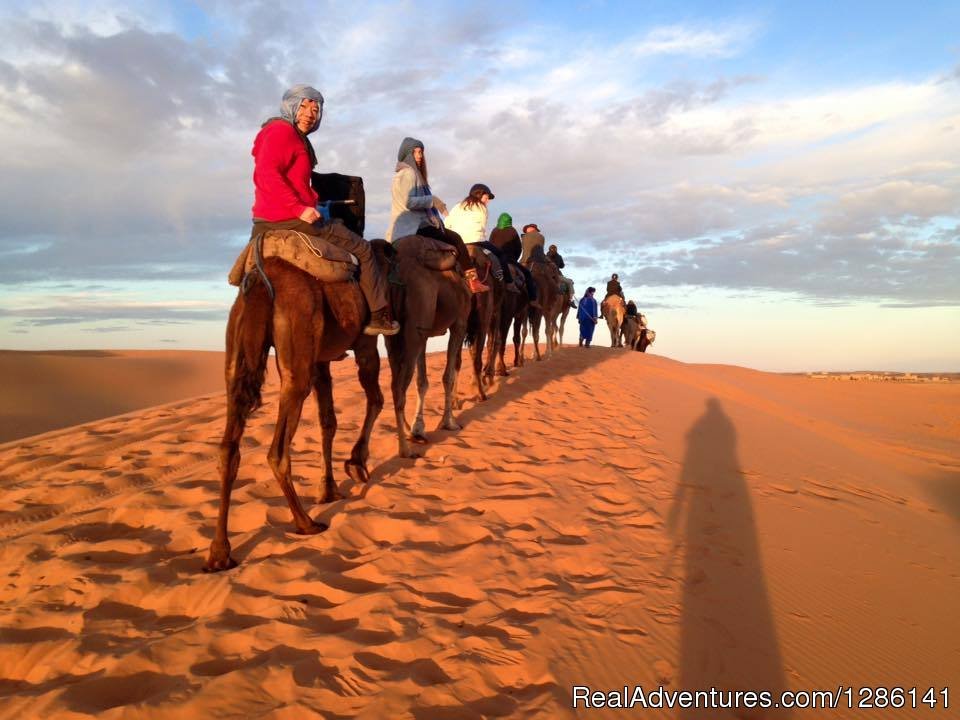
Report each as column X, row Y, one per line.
column 405, row 153
column 292, row 98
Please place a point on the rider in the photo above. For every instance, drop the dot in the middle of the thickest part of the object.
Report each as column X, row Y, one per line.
column 631, row 309
column 555, row 257
column 284, row 159
column 613, row 287
column 532, row 241
column 469, row 218
column 415, row 210
column 506, row 239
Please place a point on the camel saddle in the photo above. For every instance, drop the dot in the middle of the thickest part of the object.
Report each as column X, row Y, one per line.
column 311, row 253
column 432, row 254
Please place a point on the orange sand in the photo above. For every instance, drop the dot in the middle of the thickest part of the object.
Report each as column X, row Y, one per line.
column 605, row 519
column 49, row 390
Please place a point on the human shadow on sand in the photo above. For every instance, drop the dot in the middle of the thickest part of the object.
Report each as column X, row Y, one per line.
column 728, row 638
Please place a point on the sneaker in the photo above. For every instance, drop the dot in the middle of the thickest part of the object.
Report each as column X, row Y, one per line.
column 382, row 324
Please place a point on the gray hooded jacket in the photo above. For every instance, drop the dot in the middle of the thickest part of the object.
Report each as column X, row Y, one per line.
column 411, row 204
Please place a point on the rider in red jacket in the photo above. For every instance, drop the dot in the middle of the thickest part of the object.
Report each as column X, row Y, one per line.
column 283, row 198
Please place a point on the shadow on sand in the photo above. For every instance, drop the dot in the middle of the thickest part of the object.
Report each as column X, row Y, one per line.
column 728, row 639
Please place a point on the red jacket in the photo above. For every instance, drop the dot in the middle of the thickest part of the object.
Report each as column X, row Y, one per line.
column 281, row 173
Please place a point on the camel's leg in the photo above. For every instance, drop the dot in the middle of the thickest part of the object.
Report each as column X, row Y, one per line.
column 403, row 362
column 490, row 360
column 368, row 370
column 323, row 389
column 295, row 382
column 454, row 347
column 535, row 323
column 417, row 433
column 519, row 333
column 502, row 345
column 247, row 349
column 550, row 331
column 476, row 358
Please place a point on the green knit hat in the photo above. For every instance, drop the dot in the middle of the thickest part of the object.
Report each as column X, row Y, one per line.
column 504, row 221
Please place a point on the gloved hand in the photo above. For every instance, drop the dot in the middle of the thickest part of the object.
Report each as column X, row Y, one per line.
column 440, row 205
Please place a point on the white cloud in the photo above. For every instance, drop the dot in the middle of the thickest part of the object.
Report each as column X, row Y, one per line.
column 136, row 144
column 699, row 42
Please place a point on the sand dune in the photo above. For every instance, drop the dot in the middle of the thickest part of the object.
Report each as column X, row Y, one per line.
column 605, row 519
column 56, row 389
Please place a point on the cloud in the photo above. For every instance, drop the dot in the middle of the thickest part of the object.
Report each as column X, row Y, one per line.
column 699, row 42
column 134, row 132
column 72, row 311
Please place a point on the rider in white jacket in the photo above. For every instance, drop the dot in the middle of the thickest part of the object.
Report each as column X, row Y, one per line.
column 468, row 218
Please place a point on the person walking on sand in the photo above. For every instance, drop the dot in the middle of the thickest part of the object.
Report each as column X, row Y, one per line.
column 415, row 210
column 587, row 316
column 283, row 161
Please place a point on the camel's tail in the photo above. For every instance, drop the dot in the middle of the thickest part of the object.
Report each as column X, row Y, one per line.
column 248, row 345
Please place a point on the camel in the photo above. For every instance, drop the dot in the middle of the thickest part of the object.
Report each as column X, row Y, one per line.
column 428, row 303
column 567, row 297
column 513, row 308
column 614, row 311
column 309, row 324
column 484, row 318
column 547, row 277
column 630, row 331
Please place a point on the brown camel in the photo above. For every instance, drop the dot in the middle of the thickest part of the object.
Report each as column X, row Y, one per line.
column 484, row 318
column 428, row 303
column 614, row 311
column 630, row 331
column 547, row 278
column 309, row 323
column 513, row 309
column 566, row 298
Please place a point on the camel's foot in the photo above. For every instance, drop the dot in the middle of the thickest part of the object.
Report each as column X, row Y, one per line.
column 450, row 424
column 311, row 528
column 409, row 453
column 503, row 372
column 219, row 558
column 418, row 438
column 331, row 493
column 356, row 471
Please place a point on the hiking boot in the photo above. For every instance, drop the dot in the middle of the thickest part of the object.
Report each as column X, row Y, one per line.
column 381, row 323
column 473, row 282
column 573, row 305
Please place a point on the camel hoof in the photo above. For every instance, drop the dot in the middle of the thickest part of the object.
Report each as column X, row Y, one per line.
column 503, row 373
column 452, row 425
column 410, row 454
column 314, row 528
column 219, row 560
column 418, row 438
column 356, row 472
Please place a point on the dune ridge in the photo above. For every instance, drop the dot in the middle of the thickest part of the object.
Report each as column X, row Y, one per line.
column 605, row 518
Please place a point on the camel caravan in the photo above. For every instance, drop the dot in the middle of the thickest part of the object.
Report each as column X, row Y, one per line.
column 312, row 288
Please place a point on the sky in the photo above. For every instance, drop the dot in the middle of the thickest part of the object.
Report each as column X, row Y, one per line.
column 777, row 184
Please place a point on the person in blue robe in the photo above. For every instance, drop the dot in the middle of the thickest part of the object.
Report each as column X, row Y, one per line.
column 587, row 316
